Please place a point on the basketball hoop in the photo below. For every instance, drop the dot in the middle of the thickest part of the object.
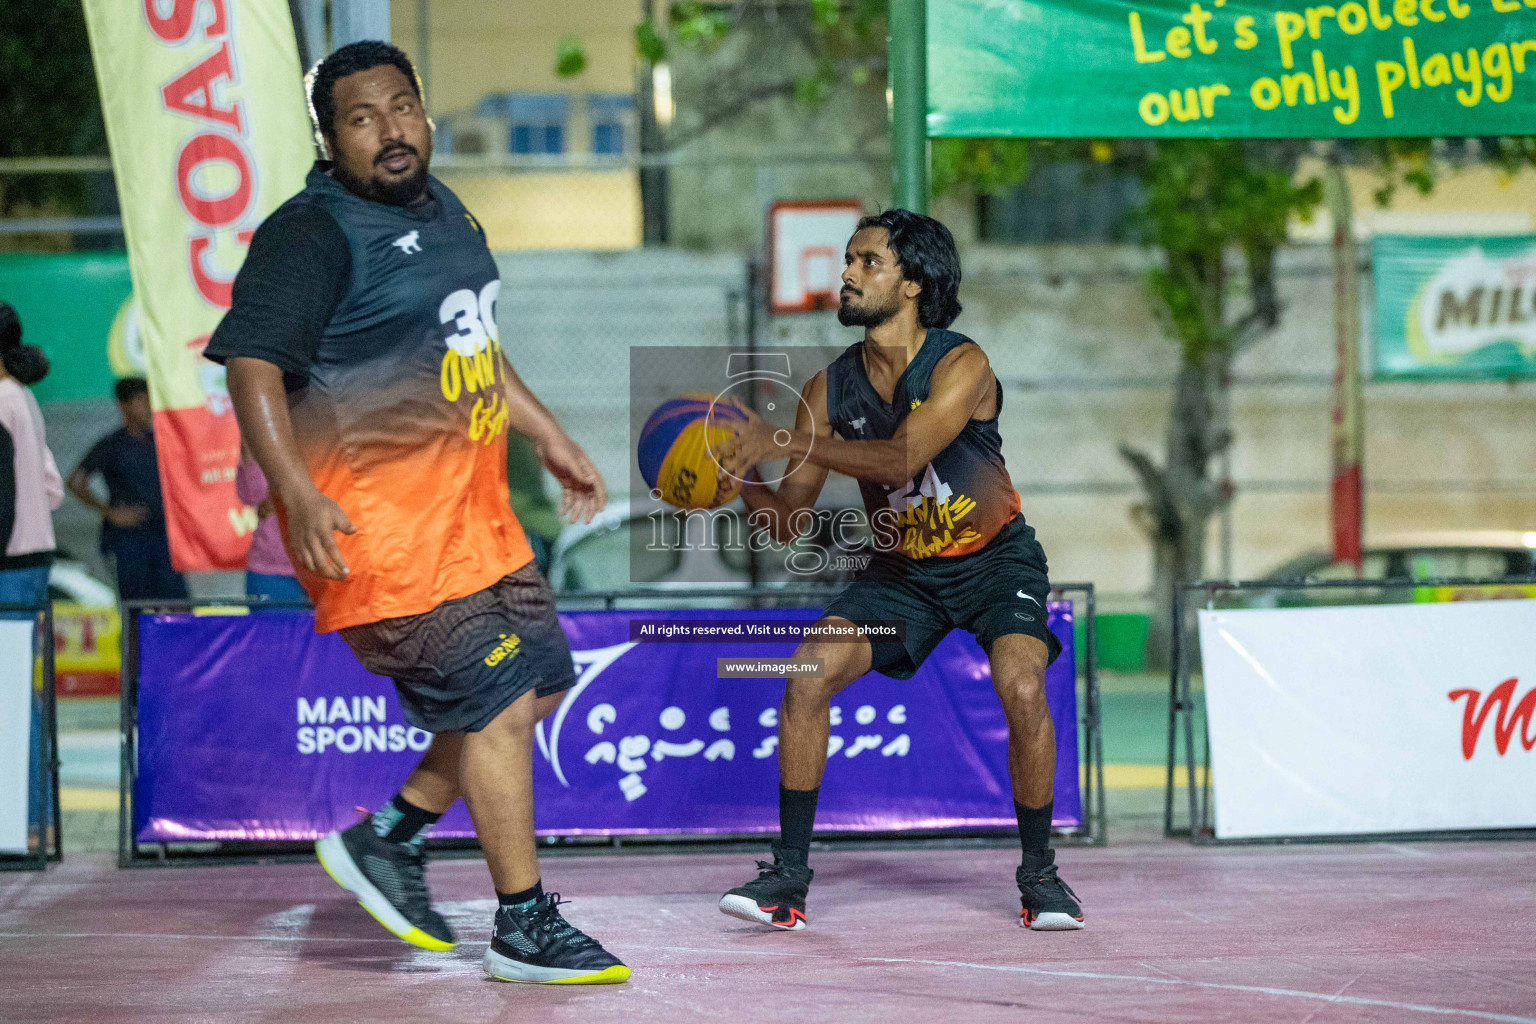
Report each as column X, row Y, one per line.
column 806, row 239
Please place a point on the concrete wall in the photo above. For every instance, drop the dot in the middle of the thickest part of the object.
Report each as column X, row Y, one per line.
column 477, row 48
column 555, row 210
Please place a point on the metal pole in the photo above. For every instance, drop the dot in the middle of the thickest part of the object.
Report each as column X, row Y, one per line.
column 1175, row 706
column 1348, row 421
column 423, row 54
column 51, row 703
column 908, row 63
column 355, row 20
column 653, row 179
column 309, row 27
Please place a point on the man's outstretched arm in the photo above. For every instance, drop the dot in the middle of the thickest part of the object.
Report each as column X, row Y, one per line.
column 261, row 407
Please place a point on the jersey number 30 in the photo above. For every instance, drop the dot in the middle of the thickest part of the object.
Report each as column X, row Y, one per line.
column 472, row 317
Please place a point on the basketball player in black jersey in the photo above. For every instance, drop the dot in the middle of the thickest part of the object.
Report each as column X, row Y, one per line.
column 911, row 413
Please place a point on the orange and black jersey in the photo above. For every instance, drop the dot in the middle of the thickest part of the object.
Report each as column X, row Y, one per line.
column 383, row 319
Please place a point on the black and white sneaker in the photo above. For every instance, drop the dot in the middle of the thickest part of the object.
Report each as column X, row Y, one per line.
column 1050, row 905
column 538, row 946
column 777, row 896
column 389, row 880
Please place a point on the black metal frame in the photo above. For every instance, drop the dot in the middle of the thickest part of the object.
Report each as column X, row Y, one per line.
column 1200, row 828
column 48, row 761
column 1093, row 832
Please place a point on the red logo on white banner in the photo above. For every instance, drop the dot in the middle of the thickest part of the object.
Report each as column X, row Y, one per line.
column 1511, row 716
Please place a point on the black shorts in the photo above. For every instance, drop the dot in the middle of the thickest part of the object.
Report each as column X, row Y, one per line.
column 998, row 590
column 464, row 662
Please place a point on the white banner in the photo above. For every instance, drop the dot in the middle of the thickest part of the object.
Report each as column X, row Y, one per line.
column 1357, row 720
column 15, row 732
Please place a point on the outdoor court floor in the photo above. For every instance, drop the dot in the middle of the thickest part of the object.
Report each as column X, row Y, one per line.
column 1299, row 934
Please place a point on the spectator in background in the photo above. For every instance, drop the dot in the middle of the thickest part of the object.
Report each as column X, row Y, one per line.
column 133, row 517
column 268, row 572
column 30, row 487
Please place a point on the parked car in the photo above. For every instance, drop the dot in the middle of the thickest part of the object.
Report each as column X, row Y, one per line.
column 87, row 659
column 1466, row 554
column 1415, row 557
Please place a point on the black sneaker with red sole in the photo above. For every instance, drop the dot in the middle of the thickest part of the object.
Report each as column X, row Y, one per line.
column 776, row 898
column 1050, row 905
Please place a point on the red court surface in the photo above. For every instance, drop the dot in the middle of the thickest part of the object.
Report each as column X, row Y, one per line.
column 1305, row 935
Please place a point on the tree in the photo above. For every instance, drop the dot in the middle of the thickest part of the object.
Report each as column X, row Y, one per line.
column 1217, row 210
column 48, row 101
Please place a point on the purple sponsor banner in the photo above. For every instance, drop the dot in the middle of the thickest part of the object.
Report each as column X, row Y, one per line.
column 256, row 727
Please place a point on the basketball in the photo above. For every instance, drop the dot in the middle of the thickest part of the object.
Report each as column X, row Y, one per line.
column 675, row 450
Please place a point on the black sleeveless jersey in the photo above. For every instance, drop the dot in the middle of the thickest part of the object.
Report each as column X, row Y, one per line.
column 960, row 500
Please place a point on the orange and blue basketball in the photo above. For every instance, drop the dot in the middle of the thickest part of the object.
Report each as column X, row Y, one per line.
column 675, row 450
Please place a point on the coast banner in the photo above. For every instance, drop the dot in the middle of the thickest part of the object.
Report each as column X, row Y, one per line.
column 207, row 122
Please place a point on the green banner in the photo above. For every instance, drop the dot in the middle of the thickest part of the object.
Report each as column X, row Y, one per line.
column 68, row 304
column 1231, row 68
column 1450, row 307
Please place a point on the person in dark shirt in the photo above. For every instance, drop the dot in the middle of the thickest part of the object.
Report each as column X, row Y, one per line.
column 366, row 371
column 911, row 412
column 133, row 516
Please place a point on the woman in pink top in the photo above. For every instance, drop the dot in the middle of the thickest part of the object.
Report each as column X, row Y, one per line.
column 30, row 485
column 30, row 489
column 268, row 572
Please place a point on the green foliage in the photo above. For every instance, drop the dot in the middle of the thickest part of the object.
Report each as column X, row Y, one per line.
column 845, row 40
column 991, row 166
column 570, row 57
column 698, row 24
column 1204, row 198
column 813, row 90
column 648, row 42
column 1402, row 162
column 48, row 100
column 826, row 13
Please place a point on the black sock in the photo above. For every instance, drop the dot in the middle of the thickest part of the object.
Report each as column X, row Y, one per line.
column 400, row 821
column 797, row 816
column 1034, row 828
column 516, row 899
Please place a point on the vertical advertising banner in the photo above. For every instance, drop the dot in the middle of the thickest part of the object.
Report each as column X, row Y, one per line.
column 205, row 113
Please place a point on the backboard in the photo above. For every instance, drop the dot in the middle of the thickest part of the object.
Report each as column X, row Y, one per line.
column 806, row 239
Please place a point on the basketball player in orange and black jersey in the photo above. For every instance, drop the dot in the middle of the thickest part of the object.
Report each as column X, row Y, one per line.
column 366, row 372
column 911, row 412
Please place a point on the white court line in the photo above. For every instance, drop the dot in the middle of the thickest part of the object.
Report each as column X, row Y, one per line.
column 1443, row 1011
column 721, row 952
column 1257, row 989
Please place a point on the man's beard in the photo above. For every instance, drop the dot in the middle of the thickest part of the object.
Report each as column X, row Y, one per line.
column 395, row 192
column 864, row 316
column 402, row 191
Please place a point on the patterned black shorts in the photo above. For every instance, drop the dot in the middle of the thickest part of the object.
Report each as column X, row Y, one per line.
column 461, row 664
column 1001, row 589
